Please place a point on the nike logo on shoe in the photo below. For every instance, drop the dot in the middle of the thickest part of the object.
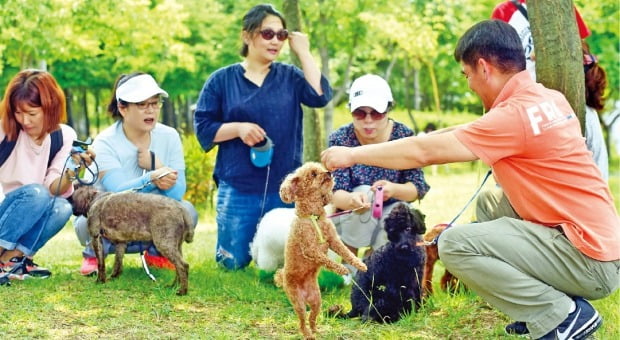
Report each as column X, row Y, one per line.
column 567, row 331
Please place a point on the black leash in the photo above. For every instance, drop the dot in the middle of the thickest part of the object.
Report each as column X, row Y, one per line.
column 434, row 241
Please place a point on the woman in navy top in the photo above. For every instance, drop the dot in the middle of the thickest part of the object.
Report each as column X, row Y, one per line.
column 239, row 106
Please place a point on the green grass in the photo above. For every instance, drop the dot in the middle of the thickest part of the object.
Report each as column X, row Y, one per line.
column 236, row 305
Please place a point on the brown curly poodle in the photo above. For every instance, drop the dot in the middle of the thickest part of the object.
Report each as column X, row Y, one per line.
column 312, row 235
column 448, row 281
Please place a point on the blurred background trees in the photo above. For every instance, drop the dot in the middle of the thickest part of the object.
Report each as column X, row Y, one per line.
column 86, row 44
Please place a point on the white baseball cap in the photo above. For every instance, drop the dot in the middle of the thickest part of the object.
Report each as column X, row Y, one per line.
column 138, row 89
column 372, row 91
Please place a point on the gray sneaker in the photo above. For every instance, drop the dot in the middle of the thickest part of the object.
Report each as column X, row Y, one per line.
column 21, row 268
column 4, row 278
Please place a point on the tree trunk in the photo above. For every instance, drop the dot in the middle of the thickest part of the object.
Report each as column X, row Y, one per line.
column 328, row 114
column 85, row 125
column 68, row 101
column 168, row 114
column 558, row 52
column 98, row 112
column 312, row 131
column 407, row 71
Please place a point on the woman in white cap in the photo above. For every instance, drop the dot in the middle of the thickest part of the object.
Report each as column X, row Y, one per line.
column 242, row 104
column 370, row 100
column 137, row 152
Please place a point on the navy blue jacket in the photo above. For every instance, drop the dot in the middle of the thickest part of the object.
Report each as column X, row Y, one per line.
column 227, row 96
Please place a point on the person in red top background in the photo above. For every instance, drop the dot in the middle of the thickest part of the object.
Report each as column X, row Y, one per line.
column 514, row 12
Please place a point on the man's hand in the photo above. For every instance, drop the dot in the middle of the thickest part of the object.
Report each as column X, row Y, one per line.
column 337, row 157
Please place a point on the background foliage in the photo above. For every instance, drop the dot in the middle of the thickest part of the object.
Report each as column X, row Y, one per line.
column 86, row 44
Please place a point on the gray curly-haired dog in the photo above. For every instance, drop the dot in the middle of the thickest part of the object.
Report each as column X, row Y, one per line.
column 130, row 216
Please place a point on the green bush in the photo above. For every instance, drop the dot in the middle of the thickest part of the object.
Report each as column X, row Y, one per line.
column 199, row 173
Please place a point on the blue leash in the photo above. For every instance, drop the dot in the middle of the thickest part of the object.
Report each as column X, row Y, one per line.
column 434, row 241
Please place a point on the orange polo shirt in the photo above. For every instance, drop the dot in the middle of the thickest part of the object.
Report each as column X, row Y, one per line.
column 532, row 140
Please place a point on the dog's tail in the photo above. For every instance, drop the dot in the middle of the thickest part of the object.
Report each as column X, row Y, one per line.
column 189, row 225
column 278, row 279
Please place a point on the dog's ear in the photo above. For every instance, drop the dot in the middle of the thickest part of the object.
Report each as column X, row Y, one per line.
column 288, row 188
column 82, row 198
column 419, row 220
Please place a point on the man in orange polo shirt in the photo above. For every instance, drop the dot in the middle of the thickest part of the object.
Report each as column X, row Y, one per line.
column 564, row 249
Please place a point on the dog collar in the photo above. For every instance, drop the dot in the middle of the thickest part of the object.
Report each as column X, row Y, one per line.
column 313, row 219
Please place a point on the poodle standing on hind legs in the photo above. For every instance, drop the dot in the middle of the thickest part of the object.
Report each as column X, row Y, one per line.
column 312, row 235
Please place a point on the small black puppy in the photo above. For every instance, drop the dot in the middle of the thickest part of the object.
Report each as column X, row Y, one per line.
column 392, row 284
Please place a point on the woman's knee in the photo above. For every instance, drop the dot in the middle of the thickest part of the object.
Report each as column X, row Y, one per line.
column 62, row 208
column 232, row 259
column 37, row 194
column 448, row 244
column 61, row 211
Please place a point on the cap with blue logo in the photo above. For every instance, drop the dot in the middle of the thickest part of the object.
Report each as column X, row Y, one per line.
column 261, row 153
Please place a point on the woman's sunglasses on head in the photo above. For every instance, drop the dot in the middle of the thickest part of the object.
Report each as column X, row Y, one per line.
column 268, row 34
column 360, row 114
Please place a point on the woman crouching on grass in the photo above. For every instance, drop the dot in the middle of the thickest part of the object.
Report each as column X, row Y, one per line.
column 33, row 177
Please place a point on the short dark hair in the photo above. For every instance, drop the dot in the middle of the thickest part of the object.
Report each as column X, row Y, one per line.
column 495, row 41
column 254, row 18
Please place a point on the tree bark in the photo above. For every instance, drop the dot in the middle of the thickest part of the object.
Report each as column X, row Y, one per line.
column 312, row 132
column 558, row 52
column 86, row 125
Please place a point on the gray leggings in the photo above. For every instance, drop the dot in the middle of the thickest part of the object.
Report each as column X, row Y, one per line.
column 526, row 270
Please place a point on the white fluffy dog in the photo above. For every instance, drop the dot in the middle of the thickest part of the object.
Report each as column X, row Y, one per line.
column 267, row 248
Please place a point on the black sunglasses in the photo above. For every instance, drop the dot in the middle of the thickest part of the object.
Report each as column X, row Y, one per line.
column 360, row 114
column 268, row 34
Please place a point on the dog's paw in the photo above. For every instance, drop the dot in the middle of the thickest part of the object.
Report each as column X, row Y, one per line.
column 360, row 266
column 342, row 270
column 335, row 311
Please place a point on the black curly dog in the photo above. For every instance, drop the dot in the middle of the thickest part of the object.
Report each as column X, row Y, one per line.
column 392, row 284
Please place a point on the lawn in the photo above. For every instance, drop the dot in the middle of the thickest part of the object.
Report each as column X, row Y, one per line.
column 238, row 305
